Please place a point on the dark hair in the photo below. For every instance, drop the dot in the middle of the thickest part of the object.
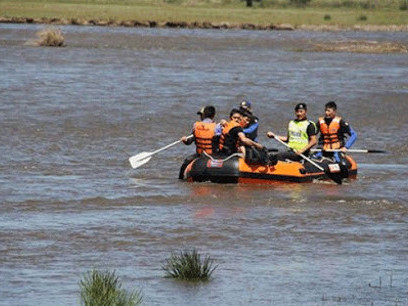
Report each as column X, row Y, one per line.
column 235, row 111
column 331, row 104
column 209, row 112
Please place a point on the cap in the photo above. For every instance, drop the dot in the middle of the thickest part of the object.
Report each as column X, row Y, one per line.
column 245, row 104
column 201, row 111
column 301, row 106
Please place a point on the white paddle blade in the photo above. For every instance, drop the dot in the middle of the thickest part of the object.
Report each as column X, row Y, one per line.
column 140, row 159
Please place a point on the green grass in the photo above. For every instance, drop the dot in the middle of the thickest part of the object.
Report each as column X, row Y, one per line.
column 264, row 12
column 104, row 289
column 188, row 266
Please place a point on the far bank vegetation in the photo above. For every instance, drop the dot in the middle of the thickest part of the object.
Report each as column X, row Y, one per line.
column 359, row 4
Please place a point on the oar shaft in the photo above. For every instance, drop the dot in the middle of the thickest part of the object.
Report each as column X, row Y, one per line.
column 303, row 156
column 169, row 146
column 350, row 150
column 145, row 156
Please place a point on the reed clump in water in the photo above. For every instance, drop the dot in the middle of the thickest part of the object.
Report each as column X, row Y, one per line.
column 104, row 288
column 188, row 266
column 50, row 38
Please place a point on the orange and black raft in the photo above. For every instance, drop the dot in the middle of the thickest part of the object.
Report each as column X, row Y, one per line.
column 234, row 169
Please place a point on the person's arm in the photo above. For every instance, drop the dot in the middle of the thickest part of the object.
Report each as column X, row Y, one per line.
column 272, row 135
column 311, row 144
column 248, row 142
column 188, row 141
column 251, row 128
column 347, row 129
column 351, row 140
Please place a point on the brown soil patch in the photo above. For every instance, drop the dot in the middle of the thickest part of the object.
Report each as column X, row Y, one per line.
column 359, row 46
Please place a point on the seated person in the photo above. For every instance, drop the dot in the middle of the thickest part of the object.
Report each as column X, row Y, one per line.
column 301, row 135
column 233, row 138
column 206, row 136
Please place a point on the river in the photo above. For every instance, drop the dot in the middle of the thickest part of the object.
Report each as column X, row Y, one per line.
column 69, row 202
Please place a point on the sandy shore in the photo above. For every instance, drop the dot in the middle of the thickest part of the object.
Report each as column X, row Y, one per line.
column 203, row 25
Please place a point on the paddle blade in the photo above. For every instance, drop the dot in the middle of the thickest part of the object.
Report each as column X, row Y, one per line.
column 376, row 151
column 140, row 159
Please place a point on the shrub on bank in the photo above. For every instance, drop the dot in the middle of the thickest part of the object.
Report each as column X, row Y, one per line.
column 362, row 18
column 50, row 38
column 299, row 2
column 188, row 266
column 104, row 288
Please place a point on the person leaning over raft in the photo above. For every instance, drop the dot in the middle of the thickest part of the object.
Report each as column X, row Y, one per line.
column 206, row 136
column 333, row 132
column 301, row 135
column 250, row 130
column 233, row 138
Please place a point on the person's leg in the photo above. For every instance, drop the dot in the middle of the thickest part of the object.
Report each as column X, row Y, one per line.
column 288, row 155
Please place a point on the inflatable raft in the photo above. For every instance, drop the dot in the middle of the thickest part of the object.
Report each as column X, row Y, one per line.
column 234, row 169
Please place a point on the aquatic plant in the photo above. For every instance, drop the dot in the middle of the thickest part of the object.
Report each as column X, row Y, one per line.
column 188, row 266
column 50, row 38
column 104, row 289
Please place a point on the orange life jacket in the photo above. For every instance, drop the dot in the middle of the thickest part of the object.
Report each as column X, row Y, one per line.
column 225, row 139
column 330, row 133
column 204, row 133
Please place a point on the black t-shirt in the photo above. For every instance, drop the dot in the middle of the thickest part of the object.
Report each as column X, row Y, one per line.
column 231, row 139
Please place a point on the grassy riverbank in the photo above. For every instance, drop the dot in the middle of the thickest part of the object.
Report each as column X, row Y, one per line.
column 339, row 13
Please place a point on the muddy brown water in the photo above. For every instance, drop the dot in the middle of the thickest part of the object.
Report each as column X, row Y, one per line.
column 69, row 201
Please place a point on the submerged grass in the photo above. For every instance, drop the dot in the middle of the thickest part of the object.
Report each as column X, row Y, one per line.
column 104, row 289
column 50, row 38
column 188, row 266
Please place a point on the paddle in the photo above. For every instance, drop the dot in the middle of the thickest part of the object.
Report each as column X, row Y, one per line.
column 333, row 176
column 142, row 158
column 351, row 151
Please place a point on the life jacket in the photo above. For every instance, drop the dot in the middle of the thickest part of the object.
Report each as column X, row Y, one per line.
column 330, row 133
column 298, row 138
column 227, row 143
column 204, row 134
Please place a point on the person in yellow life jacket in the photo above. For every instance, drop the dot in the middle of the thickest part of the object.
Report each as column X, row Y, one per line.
column 333, row 133
column 206, row 136
column 301, row 135
column 233, row 138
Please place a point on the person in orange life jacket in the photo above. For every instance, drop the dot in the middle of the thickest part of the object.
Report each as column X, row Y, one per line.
column 206, row 136
column 251, row 130
column 333, row 133
column 301, row 135
column 233, row 138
